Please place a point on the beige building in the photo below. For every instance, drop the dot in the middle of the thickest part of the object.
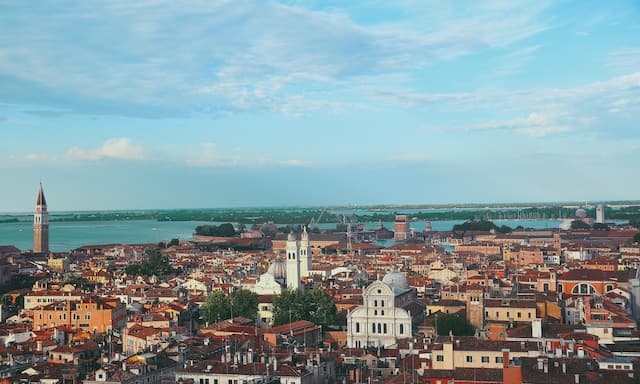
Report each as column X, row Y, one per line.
column 509, row 310
column 60, row 265
column 469, row 352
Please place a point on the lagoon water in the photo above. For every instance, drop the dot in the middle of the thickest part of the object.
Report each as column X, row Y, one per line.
column 65, row 236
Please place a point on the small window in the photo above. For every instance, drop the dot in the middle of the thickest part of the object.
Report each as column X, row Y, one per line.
column 357, row 327
column 384, row 328
column 469, row 359
column 485, row 359
column 439, row 357
column 499, row 359
column 401, row 329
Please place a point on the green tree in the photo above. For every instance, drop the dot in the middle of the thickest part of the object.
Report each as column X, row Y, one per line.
column 288, row 307
column 459, row 326
column 174, row 242
column 315, row 305
column 216, row 307
column 154, row 263
column 245, row 303
column 636, row 238
column 579, row 224
column 321, row 309
column 222, row 230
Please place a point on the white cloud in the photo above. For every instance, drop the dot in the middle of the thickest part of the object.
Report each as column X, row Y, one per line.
column 118, row 148
column 624, row 59
column 534, row 125
column 240, row 55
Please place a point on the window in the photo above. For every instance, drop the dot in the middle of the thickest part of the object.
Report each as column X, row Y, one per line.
column 499, row 359
column 382, row 303
column 373, row 327
column 519, row 315
column 384, row 328
column 529, row 315
column 401, row 329
column 497, row 315
column 469, row 359
column 375, row 303
column 486, row 314
column 382, row 313
column 379, row 328
column 357, row 327
column 439, row 357
column 485, row 359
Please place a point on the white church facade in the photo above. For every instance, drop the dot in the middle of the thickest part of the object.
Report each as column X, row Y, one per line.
column 382, row 319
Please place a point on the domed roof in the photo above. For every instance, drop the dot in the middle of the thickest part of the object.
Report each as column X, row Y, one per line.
column 291, row 237
column 581, row 213
column 278, row 269
column 396, row 280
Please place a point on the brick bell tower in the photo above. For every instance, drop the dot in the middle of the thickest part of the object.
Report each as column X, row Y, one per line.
column 41, row 224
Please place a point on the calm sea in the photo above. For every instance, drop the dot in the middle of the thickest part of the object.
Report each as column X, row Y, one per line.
column 65, row 236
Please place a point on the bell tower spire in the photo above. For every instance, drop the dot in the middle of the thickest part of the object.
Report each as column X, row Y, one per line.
column 41, row 224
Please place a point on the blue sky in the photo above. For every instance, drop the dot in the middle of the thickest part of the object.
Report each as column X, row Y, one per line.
column 163, row 104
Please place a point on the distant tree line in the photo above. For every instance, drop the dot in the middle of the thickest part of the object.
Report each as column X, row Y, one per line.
column 481, row 225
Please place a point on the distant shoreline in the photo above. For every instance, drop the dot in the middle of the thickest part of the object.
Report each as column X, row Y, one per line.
column 297, row 215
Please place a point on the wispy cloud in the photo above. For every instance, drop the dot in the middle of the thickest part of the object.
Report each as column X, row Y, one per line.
column 536, row 124
column 118, row 148
column 210, row 156
column 514, row 62
column 176, row 58
column 624, row 59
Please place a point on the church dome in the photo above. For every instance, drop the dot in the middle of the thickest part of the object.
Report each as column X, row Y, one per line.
column 396, row 280
column 291, row 237
column 278, row 269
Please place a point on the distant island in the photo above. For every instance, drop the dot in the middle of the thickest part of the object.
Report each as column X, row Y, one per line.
column 384, row 213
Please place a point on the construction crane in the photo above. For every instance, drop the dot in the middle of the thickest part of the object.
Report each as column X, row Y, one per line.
column 314, row 221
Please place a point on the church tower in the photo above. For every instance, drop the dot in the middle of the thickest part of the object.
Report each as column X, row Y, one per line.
column 41, row 224
column 293, row 262
column 305, row 253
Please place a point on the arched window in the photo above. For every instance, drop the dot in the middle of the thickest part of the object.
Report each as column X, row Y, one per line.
column 583, row 289
column 373, row 327
column 382, row 303
column 609, row 287
column 401, row 329
column 375, row 303
column 357, row 327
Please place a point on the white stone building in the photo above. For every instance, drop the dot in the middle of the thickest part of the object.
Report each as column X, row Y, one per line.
column 382, row 319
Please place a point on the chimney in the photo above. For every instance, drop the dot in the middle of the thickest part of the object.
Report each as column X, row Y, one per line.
column 546, row 366
column 505, row 358
column 576, row 378
column 275, row 365
column 124, row 366
column 540, row 363
column 564, row 367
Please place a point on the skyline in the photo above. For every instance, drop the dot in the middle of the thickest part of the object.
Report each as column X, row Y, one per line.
column 233, row 104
